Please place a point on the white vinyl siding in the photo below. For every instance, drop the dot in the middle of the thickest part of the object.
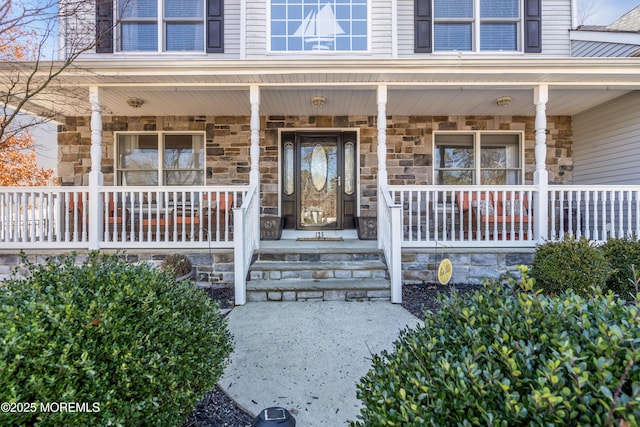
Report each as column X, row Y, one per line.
column 606, row 143
column 256, row 28
column 381, row 33
column 556, row 23
column 406, row 28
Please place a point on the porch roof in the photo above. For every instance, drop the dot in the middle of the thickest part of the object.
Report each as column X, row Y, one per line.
column 429, row 86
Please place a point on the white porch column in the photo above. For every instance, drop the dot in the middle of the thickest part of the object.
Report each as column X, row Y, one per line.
column 382, row 134
column 96, row 178
column 254, row 151
column 254, row 154
column 382, row 150
column 541, row 175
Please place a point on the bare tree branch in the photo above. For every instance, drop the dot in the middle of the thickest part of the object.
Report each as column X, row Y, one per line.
column 30, row 56
column 586, row 10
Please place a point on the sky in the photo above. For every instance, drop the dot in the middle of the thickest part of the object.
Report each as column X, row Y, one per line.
column 607, row 11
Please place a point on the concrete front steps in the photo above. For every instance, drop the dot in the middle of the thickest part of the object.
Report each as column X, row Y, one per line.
column 312, row 274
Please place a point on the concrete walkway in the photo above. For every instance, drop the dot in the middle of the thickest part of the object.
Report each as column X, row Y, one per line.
column 308, row 357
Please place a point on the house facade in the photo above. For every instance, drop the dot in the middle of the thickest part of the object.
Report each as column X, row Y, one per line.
column 465, row 127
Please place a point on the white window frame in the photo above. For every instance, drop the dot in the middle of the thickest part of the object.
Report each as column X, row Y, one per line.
column 161, row 151
column 476, row 21
column 161, row 23
column 477, row 153
column 319, row 52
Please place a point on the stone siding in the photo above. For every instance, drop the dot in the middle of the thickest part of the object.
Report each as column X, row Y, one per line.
column 409, row 143
column 216, row 269
column 469, row 266
column 212, row 269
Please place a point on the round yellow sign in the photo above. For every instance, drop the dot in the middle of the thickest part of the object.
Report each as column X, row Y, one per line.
column 444, row 271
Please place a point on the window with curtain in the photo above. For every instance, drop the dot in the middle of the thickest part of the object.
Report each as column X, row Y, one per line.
column 177, row 26
column 319, row 25
column 479, row 158
column 477, row 25
column 160, row 159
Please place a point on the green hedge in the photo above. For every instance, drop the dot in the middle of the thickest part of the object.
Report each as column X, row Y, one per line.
column 126, row 337
column 509, row 356
column 570, row 263
column 622, row 254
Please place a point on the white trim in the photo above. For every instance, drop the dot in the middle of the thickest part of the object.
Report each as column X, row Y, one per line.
column 605, row 36
column 160, row 140
column 243, row 29
column 322, row 53
column 476, row 21
column 318, row 130
column 477, row 140
column 394, row 28
column 161, row 22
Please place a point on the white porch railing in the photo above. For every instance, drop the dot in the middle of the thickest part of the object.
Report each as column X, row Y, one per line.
column 460, row 216
column 598, row 212
column 43, row 217
column 390, row 241
column 129, row 217
column 247, row 240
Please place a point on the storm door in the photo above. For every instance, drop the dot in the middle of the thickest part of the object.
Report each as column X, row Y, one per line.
column 319, row 180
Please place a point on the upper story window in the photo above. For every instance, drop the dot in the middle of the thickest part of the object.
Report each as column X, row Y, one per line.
column 478, row 26
column 472, row 25
column 478, row 159
column 319, row 25
column 175, row 25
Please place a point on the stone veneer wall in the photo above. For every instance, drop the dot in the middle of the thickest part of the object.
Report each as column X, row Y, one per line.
column 212, row 268
column 216, row 269
column 470, row 266
column 409, row 142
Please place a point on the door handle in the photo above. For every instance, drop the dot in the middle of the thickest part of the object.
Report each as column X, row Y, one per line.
column 339, row 178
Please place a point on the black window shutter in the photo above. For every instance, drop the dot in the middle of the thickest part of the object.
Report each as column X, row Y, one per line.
column 104, row 26
column 215, row 26
column 423, row 19
column 533, row 26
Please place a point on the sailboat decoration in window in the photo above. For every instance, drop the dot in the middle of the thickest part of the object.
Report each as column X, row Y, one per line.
column 319, row 28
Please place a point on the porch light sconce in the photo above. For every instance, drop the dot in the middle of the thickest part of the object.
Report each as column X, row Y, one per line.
column 135, row 102
column 318, row 101
column 503, row 101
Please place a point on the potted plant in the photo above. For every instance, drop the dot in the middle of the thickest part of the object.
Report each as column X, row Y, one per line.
column 178, row 265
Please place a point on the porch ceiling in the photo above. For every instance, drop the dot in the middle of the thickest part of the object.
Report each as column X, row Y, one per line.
column 339, row 102
column 416, row 87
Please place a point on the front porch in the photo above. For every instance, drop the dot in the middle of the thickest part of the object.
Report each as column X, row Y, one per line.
column 418, row 225
column 422, row 149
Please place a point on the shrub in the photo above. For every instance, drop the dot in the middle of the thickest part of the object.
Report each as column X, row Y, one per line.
column 621, row 255
column 124, row 336
column 509, row 356
column 177, row 264
column 569, row 264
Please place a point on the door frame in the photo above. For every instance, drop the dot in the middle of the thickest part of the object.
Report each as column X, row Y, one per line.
column 317, row 131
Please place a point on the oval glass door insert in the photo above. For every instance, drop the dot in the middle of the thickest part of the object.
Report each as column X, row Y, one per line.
column 319, row 167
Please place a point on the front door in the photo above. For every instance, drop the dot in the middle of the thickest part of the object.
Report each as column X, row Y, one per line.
column 319, row 180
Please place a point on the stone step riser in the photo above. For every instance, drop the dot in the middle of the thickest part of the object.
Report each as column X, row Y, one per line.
column 327, row 295
column 330, row 276
column 316, row 274
column 319, row 257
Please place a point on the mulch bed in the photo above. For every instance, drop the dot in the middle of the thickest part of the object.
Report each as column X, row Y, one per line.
column 218, row 410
